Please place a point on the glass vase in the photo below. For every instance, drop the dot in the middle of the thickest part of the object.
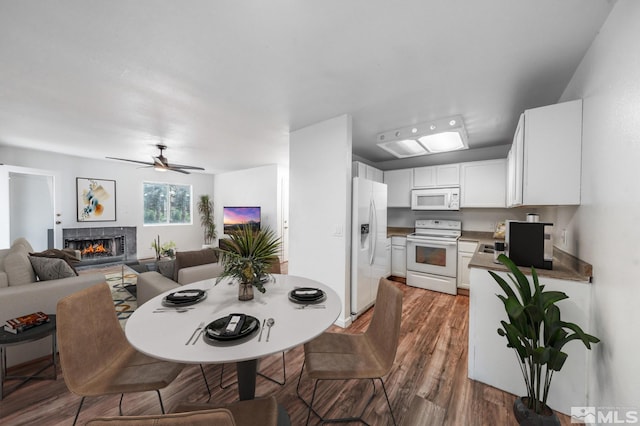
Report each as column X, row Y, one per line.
column 245, row 291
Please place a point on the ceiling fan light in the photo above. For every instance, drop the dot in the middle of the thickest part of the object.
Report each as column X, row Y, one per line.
column 159, row 168
column 442, row 142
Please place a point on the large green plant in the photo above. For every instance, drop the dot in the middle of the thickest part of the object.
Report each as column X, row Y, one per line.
column 205, row 209
column 535, row 331
column 248, row 255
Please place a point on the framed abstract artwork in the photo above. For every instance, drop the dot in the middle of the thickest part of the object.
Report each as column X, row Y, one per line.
column 96, row 200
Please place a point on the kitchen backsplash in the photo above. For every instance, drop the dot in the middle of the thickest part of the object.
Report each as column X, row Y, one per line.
column 483, row 220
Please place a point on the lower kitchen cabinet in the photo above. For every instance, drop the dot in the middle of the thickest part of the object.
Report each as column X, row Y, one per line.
column 466, row 249
column 399, row 256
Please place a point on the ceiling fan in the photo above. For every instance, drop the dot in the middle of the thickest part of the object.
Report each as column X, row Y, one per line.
column 161, row 164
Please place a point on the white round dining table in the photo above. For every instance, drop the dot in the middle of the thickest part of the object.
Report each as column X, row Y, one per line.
column 169, row 334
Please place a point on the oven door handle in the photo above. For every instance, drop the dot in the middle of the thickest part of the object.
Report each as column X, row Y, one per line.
column 434, row 242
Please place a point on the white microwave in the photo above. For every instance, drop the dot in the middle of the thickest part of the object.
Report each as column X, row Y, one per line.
column 436, row 198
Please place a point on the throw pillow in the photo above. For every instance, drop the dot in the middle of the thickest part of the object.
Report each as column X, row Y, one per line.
column 165, row 267
column 185, row 259
column 51, row 268
column 67, row 255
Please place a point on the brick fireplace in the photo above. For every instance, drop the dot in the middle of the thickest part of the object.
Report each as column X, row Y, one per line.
column 102, row 245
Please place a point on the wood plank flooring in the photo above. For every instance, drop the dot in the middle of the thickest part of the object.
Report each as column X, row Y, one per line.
column 427, row 385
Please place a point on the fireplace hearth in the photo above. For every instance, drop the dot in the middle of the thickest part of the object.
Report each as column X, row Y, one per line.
column 102, row 245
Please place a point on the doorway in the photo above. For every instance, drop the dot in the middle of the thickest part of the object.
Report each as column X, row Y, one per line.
column 30, row 195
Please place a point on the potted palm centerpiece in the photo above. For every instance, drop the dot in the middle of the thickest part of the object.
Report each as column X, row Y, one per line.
column 247, row 257
column 537, row 334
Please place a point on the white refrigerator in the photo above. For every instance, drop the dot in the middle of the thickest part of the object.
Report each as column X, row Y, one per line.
column 368, row 242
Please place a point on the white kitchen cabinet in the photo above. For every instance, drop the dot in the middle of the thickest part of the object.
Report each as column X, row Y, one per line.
column 399, row 256
column 466, row 249
column 545, row 158
column 435, row 176
column 366, row 171
column 483, row 183
column 399, row 183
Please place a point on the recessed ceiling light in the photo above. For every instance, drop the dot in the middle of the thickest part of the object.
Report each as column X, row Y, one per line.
column 432, row 127
column 414, row 130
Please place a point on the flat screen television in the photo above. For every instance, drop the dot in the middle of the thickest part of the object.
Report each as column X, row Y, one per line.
column 236, row 217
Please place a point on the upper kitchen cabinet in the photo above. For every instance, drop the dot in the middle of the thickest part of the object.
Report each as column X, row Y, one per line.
column 435, row 176
column 399, row 183
column 545, row 159
column 483, row 184
column 366, row 171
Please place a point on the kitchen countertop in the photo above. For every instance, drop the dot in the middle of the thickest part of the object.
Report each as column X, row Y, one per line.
column 398, row 231
column 565, row 266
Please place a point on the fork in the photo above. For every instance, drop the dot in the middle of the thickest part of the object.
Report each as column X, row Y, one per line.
column 195, row 331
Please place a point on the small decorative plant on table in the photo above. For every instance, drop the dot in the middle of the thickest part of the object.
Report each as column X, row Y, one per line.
column 247, row 256
column 537, row 334
column 166, row 249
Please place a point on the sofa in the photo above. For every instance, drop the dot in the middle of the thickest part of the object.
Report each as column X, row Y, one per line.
column 23, row 291
column 188, row 267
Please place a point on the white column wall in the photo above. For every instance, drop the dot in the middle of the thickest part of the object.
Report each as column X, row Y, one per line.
column 320, row 206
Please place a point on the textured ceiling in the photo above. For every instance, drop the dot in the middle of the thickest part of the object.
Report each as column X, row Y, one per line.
column 223, row 83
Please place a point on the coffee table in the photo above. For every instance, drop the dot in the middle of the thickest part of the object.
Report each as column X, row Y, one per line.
column 33, row 334
column 163, row 335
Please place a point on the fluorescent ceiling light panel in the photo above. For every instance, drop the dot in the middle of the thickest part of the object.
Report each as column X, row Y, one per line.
column 442, row 142
column 404, row 148
column 441, row 135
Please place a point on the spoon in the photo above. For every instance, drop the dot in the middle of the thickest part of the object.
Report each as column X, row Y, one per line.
column 270, row 323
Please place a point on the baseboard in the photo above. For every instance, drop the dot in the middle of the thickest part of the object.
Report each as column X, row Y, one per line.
column 344, row 323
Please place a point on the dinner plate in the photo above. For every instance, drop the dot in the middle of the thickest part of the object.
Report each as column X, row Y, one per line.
column 222, row 330
column 307, row 295
column 184, row 297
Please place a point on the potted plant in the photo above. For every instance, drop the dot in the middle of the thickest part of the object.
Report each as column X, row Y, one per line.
column 247, row 256
column 537, row 334
column 166, row 249
column 205, row 209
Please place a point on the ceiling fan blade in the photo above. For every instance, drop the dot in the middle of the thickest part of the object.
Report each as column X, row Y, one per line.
column 174, row 169
column 131, row 161
column 182, row 166
column 158, row 162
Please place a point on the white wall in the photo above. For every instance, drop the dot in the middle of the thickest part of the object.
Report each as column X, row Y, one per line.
column 260, row 186
column 604, row 229
column 320, row 205
column 129, row 206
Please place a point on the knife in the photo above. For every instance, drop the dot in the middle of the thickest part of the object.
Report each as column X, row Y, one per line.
column 260, row 336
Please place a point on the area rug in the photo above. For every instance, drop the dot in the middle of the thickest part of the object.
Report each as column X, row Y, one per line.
column 121, row 292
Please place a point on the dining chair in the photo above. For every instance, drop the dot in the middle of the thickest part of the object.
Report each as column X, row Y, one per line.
column 274, row 269
column 244, row 413
column 95, row 356
column 369, row 355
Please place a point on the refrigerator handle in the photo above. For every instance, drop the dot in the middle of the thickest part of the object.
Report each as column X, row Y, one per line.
column 373, row 236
